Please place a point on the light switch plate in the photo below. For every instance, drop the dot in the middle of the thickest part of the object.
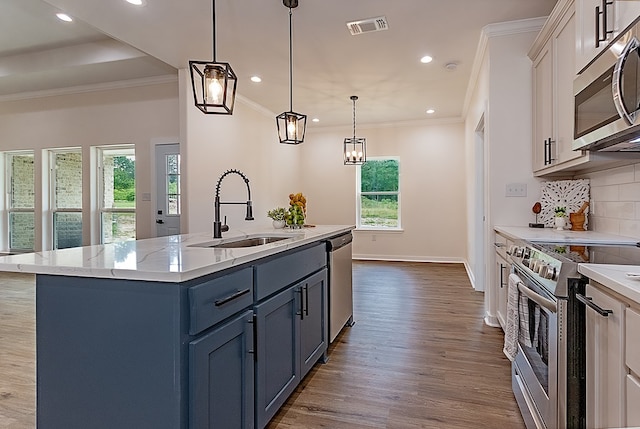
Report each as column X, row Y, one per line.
column 516, row 190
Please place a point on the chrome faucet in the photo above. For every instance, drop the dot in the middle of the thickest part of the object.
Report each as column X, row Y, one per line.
column 218, row 227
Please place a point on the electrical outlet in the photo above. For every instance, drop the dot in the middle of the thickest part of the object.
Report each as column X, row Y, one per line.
column 516, row 190
column 373, row 237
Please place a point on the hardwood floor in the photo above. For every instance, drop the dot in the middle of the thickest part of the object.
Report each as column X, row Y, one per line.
column 419, row 356
column 17, row 351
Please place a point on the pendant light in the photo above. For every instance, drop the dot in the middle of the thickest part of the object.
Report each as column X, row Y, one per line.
column 355, row 148
column 291, row 125
column 214, row 83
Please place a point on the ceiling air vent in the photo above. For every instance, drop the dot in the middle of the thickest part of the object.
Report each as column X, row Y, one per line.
column 368, row 25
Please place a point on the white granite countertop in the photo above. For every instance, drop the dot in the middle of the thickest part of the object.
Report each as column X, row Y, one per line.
column 550, row 235
column 615, row 278
column 165, row 259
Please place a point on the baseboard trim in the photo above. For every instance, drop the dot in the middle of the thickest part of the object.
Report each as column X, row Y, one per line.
column 491, row 321
column 408, row 259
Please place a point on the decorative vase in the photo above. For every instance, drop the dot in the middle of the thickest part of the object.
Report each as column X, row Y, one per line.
column 559, row 223
column 278, row 224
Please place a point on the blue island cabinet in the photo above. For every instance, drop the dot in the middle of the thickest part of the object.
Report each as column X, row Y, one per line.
column 221, row 351
column 291, row 333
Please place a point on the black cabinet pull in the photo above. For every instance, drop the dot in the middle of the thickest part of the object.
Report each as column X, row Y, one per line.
column 254, row 351
column 306, row 298
column 548, row 159
column 598, row 26
column 587, row 300
column 502, row 267
column 547, row 151
column 602, row 12
column 301, row 292
column 231, row 297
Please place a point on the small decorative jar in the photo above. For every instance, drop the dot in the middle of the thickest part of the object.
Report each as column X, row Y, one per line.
column 278, row 224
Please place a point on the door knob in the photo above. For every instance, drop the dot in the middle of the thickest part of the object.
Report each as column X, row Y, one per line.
column 159, row 221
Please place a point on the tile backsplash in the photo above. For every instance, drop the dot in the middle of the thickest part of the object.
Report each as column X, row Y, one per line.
column 615, row 201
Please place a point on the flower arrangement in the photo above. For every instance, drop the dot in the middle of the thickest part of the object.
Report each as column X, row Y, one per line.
column 279, row 213
column 561, row 211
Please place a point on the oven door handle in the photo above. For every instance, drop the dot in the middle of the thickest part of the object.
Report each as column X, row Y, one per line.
column 538, row 299
column 592, row 305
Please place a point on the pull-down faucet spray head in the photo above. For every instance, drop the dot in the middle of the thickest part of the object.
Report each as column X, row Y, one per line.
column 249, row 210
column 218, row 228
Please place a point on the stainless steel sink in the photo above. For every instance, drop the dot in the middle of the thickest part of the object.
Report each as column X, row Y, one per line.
column 242, row 242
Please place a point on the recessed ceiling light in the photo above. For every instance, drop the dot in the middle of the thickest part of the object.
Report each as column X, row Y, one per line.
column 426, row 59
column 137, row 2
column 315, row 120
column 64, row 17
column 256, row 79
column 431, row 111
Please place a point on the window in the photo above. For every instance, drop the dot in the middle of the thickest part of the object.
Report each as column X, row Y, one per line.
column 378, row 194
column 118, row 194
column 172, row 181
column 66, row 198
column 21, row 200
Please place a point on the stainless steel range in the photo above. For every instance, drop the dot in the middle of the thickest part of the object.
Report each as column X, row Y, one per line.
column 548, row 372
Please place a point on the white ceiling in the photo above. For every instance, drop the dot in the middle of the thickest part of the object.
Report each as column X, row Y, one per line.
column 39, row 53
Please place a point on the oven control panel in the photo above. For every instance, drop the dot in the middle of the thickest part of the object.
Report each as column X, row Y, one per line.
column 538, row 264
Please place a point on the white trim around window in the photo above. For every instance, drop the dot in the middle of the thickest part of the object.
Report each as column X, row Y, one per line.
column 360, row 194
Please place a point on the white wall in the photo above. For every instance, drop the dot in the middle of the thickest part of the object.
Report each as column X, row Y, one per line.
column 246, row 141
column 502, row 92
column 432, row 186
column 135, row 115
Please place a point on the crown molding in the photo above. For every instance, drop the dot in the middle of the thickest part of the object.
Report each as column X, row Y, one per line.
column 107, row 86
column 496, row 30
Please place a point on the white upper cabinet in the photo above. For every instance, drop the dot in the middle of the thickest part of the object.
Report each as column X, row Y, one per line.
column 627, row 11
column 553, row 73
column 597, row 23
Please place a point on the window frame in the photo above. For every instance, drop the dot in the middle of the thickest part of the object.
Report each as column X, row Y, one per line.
column 8, row 157
column 53, row 206
column 101, row 209
column 359, row 195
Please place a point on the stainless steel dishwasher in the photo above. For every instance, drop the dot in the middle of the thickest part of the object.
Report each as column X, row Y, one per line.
column 340, row 284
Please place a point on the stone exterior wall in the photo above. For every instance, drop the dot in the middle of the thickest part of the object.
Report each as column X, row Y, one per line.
column 107, row 180
column 68, row 195
column 22, row 197
column 68, row 180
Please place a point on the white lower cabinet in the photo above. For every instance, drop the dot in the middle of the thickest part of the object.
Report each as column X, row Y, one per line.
column 606, row 370
column 633, row 401
column 632, row 341
column 500, row 282
column 502, row 276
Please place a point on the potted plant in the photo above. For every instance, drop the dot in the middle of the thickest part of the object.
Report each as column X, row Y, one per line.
column 560, row 219
column 277, row 215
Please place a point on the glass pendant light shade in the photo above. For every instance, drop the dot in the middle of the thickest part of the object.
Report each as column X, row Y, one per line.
column 355, row 148
column 214, row 83
column 214, row 86
column 291, row 125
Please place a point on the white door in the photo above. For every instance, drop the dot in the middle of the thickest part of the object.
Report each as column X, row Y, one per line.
column 168, row 189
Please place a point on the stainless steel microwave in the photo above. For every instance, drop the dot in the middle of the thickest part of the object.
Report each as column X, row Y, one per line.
column 607, row 98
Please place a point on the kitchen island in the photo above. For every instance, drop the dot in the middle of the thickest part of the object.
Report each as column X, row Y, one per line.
column 165, row 333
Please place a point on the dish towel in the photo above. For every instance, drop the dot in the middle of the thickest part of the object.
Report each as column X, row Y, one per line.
column 513, row 324
column 525, row 324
